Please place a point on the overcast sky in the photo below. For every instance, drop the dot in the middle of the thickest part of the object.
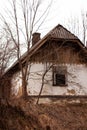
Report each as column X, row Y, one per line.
column 61, row 11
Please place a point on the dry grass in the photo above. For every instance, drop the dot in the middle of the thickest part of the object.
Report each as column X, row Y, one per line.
column 23, row 115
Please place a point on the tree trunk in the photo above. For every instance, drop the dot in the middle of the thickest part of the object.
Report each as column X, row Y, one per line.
column 42, row 85
column 24, row 89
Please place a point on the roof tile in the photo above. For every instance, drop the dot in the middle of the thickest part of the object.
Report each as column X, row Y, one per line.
column 60, row 32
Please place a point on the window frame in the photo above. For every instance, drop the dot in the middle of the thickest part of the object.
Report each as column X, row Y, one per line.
column 60, row 70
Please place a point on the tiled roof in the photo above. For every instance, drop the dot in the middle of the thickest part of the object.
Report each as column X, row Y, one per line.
column 60, row 32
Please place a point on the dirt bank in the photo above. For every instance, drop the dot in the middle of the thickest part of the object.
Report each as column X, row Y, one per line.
column 23, row 115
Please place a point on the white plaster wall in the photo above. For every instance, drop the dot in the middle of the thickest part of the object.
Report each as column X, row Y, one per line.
column 76, row 81
column 16, row 89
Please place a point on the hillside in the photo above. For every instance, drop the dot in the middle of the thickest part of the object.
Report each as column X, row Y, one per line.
column 23, row 115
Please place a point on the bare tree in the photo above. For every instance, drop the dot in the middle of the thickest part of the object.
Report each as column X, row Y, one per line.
column 30, row 19
column 78, row 26
column 7, row 51
column 84, row 26
column 49, row 66
column 73, row 25
column 43, row 78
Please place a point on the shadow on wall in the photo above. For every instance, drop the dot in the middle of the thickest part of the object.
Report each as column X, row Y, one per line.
column 5, row 86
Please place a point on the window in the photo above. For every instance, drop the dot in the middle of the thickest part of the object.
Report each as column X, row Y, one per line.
column 59, row 76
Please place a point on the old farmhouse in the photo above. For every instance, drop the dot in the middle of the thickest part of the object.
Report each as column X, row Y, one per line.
column 63, row 59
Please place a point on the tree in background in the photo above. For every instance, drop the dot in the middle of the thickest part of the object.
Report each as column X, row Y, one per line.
column 84, row 26
column 78, row 26
column 24, row 18
column 7, row 51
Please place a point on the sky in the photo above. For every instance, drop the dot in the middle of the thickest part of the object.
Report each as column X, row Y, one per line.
column 63, row 10
column 60, row 12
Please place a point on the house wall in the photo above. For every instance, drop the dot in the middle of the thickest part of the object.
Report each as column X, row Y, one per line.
column 16, row 82
column 5, row 86
column 76, row 81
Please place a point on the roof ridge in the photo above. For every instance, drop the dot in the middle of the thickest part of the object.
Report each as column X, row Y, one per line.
column 59, row 25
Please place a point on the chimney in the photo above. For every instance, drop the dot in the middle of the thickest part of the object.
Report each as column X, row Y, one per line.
column 35, row 38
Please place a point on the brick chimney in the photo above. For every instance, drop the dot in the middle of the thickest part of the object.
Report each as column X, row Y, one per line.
column 35, row 38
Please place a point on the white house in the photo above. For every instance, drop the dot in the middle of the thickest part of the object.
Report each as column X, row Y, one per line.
column 62, row 57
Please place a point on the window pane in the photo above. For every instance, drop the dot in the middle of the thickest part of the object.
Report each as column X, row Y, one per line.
column 59, row 75
column 60, row 79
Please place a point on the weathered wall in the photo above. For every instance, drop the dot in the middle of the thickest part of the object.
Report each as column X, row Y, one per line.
column 5, row 86
column 16, row 81
column 76, row 81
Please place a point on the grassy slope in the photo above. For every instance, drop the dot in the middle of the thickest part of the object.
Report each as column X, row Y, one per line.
column 22, row 115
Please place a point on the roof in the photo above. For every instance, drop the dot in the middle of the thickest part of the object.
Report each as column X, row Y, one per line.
column 59, row 32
